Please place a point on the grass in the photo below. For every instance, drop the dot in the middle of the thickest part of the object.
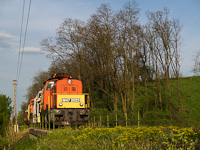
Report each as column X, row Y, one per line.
column 10, row 139
column 191, row 97
column 25, row 144
column 116, row 138
column 190, row 104
column 153, row 115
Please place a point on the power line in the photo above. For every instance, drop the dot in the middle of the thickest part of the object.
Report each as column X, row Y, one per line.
column 20, row 66
column 20, row 40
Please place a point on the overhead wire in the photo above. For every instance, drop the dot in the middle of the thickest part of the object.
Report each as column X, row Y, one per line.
column 19, row 52
column 20, row 65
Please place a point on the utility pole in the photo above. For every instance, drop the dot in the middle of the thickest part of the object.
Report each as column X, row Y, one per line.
column 16, row 126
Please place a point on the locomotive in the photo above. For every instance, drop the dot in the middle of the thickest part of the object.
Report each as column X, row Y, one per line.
column 62, row 100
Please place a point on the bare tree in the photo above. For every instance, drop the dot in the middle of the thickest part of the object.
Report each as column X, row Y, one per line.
column 37, row 84
column 118, row 59
column 196, row 68
column 166, row 44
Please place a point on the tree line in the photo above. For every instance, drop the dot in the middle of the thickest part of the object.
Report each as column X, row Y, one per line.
column 5, row 113
column 119, row 60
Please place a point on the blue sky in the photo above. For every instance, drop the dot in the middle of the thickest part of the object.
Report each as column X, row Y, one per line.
column 47, row 15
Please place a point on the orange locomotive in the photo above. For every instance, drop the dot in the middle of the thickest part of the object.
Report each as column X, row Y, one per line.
column 63, row 97
column 29, row 111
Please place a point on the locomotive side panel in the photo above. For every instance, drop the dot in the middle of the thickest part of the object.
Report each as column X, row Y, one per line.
column 46, row 93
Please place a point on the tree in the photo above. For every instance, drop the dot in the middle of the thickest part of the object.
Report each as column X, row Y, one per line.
column 21, row 114
column 37, row 84
column 128, row 53
column 196, row 68
column 5, row 112
column 164, row 42
column 117, row 58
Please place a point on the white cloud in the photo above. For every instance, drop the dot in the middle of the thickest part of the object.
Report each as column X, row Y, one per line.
column 85, row 4
column 7, row 41
column 6, row 35
column 32, row 50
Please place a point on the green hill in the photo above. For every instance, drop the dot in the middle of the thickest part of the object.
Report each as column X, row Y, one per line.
column 150, row 112
column 190, row 105
column 190, row 95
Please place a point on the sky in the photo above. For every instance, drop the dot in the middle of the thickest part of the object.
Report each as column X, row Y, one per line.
column 46, row 16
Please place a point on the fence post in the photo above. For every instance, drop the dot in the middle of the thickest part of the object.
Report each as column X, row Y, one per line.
column 46, row 121
column 126, row 119
column 42, row 121
column 107, row 120
column 94, row 121
column 49, row 119
column 138, row 119
column 53, row 120
column 116, row 119
column 100, row 120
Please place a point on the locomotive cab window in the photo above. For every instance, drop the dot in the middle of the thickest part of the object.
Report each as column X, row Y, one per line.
column 73, row 88
column 65, row 89
column 49, row 85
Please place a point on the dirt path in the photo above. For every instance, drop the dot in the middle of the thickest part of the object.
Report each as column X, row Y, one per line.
column 20, row 136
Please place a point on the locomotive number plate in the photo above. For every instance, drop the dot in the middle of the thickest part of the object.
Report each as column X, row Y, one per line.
column 71, row 100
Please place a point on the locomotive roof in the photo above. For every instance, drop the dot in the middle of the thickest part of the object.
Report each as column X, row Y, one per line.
column 59, row 76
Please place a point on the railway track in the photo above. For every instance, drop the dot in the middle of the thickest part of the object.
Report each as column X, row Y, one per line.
column 34, row 133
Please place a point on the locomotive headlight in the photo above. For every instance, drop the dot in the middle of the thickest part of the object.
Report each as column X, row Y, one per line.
column 60, row 104
column 69, row 81
column 81, row 104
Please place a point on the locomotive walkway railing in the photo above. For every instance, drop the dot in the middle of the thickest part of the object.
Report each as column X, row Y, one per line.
column 44, row 122
column 131, row 118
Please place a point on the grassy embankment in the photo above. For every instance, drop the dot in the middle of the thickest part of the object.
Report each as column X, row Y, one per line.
column 190, row 104
column 9, row 140
column 190, row 100
column 116, row 138
column 190, row 95
column 151, row 113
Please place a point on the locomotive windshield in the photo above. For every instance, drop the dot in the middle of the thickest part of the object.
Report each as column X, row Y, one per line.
column 50, row 84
